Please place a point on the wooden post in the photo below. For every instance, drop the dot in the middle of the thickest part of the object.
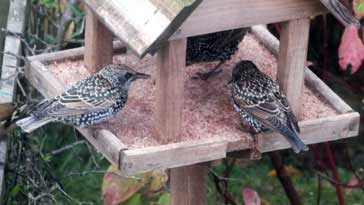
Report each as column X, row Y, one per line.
column 98, row 43
column 187, row 183
column 292, row 59
column 170, row 92
column 291, row 65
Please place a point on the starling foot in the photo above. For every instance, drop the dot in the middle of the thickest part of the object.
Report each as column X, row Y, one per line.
column 206, row 75
column 255, row 154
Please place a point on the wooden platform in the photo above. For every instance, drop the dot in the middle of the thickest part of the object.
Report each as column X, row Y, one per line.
column 211, row 126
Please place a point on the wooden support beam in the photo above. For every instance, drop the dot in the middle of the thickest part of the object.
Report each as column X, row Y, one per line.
column 170, row 77
column 15, row 23
column 188, row 185
column 290, row 76
column 292, row 59
column 98, row 43
column 217, row 15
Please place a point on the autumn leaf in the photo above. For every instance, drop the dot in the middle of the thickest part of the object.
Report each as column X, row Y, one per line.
column 250, row 197
column 358, row 8
column 351, row 50
column 290, row 170
column 117, row 189
column 157, row 181
column 353, row 182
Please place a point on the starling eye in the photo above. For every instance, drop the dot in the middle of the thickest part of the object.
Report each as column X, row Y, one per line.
column 128, row 75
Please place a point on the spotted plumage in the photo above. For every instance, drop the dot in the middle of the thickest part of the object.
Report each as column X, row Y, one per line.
column 90, row 101
column 217, row 46
column 261, row 104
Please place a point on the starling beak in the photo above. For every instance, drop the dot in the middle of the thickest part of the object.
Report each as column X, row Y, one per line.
column 261, row 104
column 90, row 101
column 141, row 76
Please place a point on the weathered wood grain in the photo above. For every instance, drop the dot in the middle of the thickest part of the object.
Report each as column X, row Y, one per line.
column 4, row 8
column 15, row 22
column 106, row 142
column 12, row 44
column 272, row 44
column 292, row 58
column 171, row 155
column 188, row 185
column 169, row 118
column 98, row 43
column 217, row 15
column 143, row 24
column 170, row 79
column 74, row 53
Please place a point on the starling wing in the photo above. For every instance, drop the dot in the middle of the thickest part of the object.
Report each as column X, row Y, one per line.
column 261, row 99
column 92, row 94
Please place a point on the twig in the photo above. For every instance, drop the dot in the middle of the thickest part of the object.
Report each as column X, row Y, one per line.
column 21, row 87
column 334, row 172
column 36, row 198
column 283, row 177
column 325, row 49
column 92, row 155
column 83, row 173
column 21, row 38
column 67, row 147
column 334, row 182
column 318, row 198
column 351, row 167
column 226, row 195
column 224, row 178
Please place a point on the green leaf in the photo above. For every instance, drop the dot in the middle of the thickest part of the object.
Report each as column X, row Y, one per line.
column 135, row 199
column 80, row 26
column 50, row 4
column 360, row 5
column 164, row 199
column 77, row 12
column 15, row 190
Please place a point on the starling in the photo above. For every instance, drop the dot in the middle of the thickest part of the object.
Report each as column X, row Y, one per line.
column 218, row 46
column 90, row 101
column 261, row 104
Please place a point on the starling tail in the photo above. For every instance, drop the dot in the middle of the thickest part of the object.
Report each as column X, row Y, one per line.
column 90, row 101
column 29, row 124
column 262, row 105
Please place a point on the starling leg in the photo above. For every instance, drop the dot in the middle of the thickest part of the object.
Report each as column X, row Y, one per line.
column 96, row 128
column 255, row 153
column 205, row 76
column 99, row 126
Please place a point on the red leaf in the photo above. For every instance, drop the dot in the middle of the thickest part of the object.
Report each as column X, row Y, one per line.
column 250, row 197
column 353, row 182
column 351, row 50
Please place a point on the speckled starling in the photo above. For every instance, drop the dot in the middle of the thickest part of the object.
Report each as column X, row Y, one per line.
column 90, row 101
column 261, row 104
column 219, row 46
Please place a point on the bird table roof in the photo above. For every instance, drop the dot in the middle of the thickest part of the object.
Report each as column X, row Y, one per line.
column 142, row 24
column 145, row 24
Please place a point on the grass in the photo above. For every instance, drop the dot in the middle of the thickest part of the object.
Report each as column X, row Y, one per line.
column 72, row 176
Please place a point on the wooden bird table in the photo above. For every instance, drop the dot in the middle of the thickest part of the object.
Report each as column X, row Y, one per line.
column 183, row 124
